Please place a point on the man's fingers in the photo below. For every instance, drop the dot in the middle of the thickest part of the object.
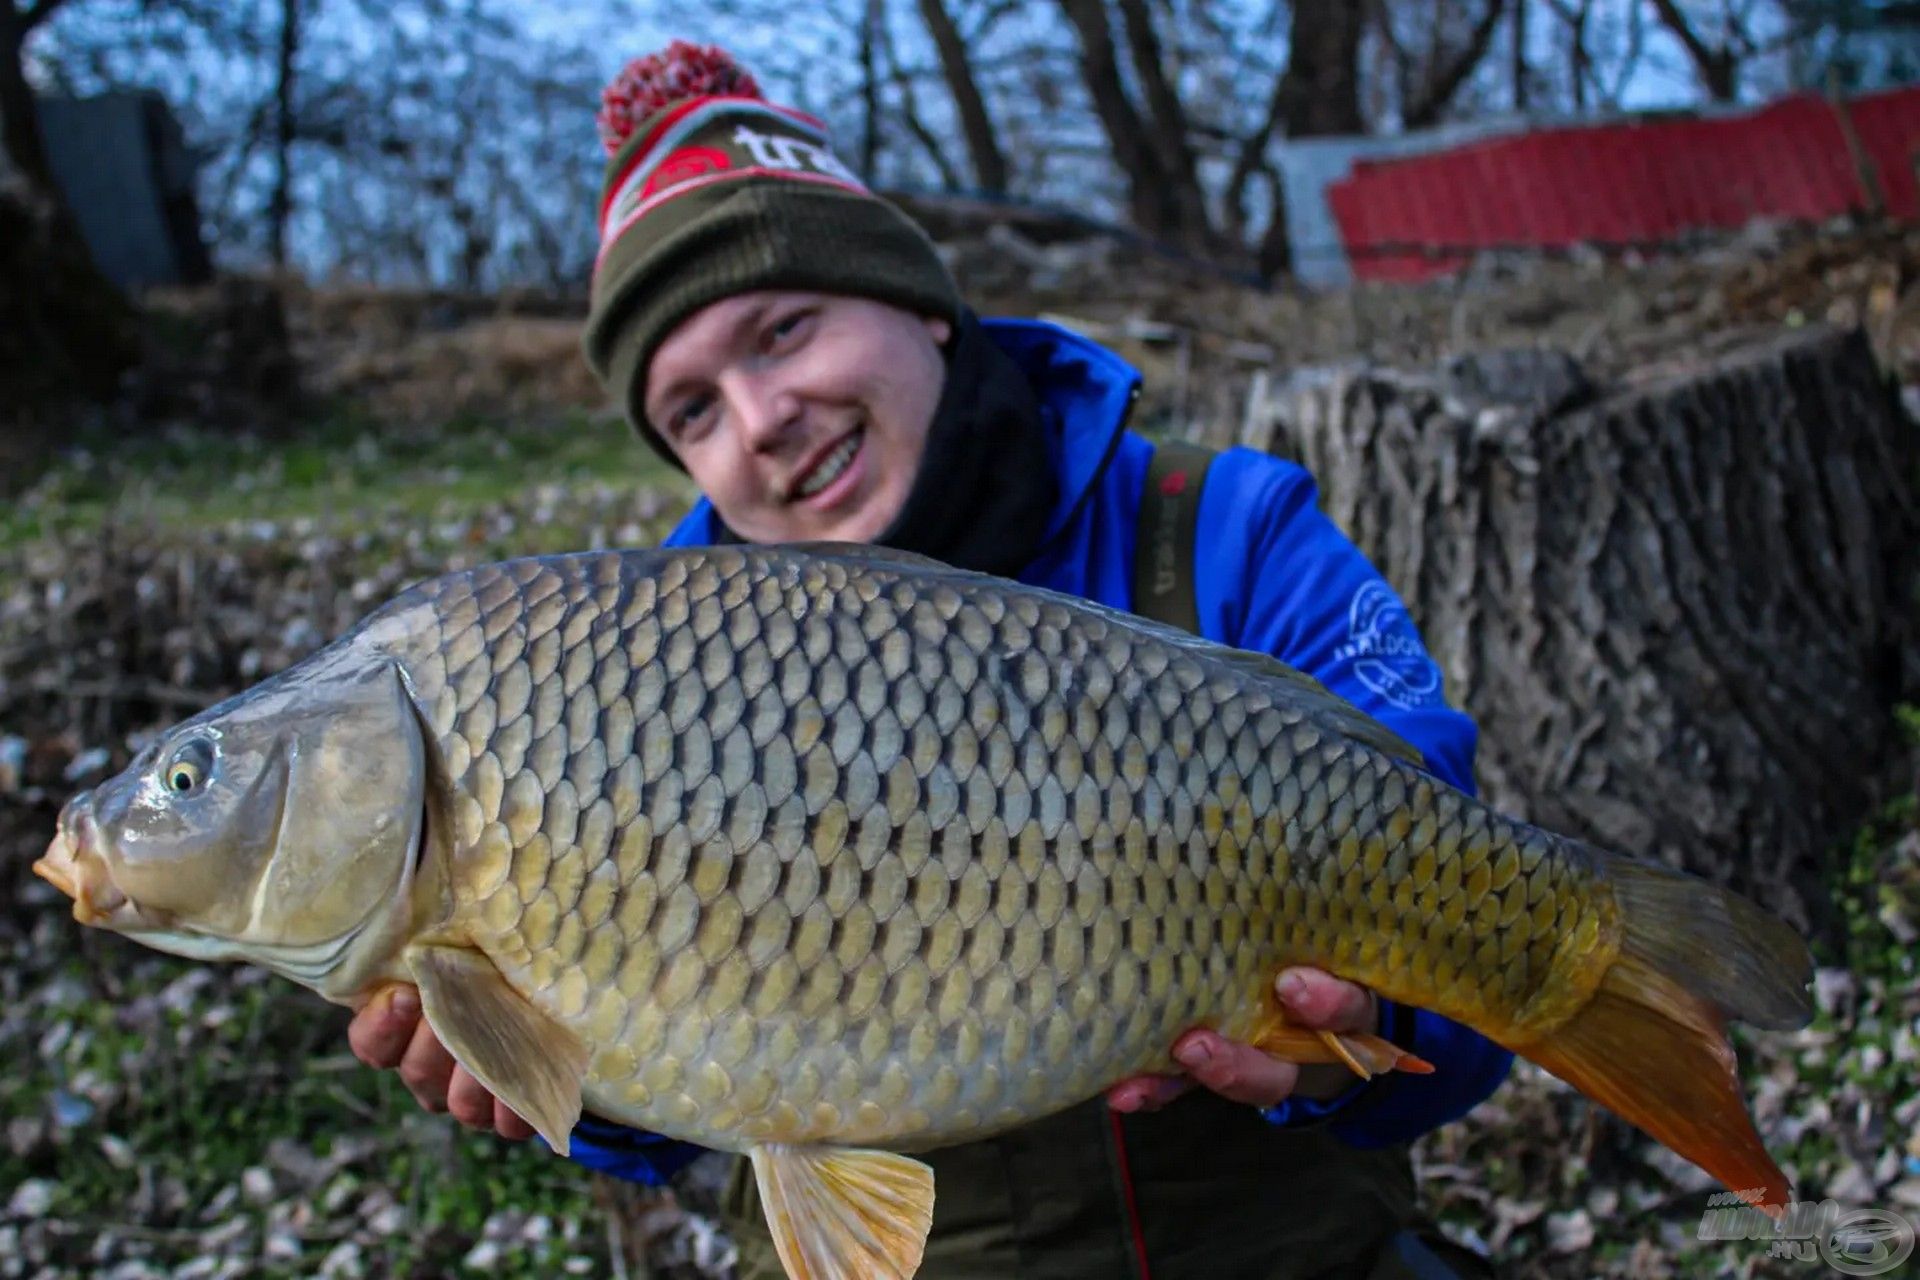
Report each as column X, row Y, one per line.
column 1238, row 1072
column 509, row 1125
column 383, row 1029
column 469, row 1101
column 1315, row 998
column 1146, row 1092
column 427, row 1068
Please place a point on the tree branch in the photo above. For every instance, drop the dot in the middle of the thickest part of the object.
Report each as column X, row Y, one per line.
column 983, row 145
column 1443, row 88
column 910, row 114
column 1716, row 66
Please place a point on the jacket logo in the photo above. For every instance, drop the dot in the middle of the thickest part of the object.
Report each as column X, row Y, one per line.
column 1386, row 650
column 686, row 163
column 1174, row 485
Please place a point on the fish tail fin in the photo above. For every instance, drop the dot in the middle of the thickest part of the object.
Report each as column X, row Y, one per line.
column 1651, row 1045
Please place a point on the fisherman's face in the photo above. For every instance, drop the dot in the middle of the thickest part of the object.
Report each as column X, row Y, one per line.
column 801, row 416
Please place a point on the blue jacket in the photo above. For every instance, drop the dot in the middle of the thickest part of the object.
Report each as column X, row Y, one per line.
column 1272, row 573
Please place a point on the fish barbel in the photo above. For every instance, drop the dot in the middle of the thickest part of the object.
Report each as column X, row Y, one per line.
column 829, row 855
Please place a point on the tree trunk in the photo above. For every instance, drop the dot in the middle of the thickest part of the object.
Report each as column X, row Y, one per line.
column 1678, row 612
column 19, row 117
column 983, row 145
column 68, row 335
column 1322, row 84
column 280, row 207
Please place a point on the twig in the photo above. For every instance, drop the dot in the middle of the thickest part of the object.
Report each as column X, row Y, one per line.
column 1863, row 166
column 132, row 690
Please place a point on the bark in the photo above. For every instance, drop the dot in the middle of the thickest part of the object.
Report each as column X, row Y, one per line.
column 1678, row 612
column 983, row 144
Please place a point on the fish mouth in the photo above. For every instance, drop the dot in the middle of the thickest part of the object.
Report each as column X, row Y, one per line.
column 73, row 865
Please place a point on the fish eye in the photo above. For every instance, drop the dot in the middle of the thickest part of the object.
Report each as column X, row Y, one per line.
column 186, row 772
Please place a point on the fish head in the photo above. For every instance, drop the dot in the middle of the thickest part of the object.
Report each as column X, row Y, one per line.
column 283, row 826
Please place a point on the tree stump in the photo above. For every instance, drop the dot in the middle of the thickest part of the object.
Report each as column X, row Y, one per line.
column 1680, row 609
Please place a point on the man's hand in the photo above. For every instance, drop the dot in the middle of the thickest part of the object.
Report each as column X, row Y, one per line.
column 1313, row 999
column 388, row 1032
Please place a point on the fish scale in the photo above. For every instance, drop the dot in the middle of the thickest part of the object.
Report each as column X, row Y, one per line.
column 682, row 706
column 824, row 854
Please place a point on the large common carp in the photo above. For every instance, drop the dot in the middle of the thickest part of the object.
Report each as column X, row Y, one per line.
column 830, row 854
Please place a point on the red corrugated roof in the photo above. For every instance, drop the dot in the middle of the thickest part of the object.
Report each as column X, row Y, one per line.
column 1640, row 182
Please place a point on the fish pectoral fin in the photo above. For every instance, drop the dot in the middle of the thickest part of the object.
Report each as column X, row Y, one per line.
column 1365, row 1055
column 842, row 1212
column 523, row 1057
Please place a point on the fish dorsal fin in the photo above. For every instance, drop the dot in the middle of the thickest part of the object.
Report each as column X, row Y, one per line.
column 869, row 555
column 523, row 1057
column 1325, row 706
column 838, row 1213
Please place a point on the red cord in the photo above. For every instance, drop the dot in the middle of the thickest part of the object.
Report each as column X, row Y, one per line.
column 1126, row 1185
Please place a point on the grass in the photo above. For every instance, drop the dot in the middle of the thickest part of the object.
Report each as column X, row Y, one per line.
column 345, row 471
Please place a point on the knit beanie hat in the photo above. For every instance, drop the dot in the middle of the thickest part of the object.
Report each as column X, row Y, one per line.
column 712, row 191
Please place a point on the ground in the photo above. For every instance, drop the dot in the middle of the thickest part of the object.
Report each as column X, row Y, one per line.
column 174, row 1119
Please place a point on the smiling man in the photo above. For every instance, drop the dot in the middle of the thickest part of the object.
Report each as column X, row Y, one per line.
column 796, row 344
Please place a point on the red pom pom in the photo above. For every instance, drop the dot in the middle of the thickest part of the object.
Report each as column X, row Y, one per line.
column 679, row 71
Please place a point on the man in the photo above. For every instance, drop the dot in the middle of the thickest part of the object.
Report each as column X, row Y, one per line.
column 796, row 345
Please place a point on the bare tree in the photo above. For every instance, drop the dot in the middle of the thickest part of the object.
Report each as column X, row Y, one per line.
column 930, row 143
column 19, row 118
column 976, row 125
column 1574, row 15
column 280, row 206
column 1430, row 78
column 1150, row 146
column 1716, row 57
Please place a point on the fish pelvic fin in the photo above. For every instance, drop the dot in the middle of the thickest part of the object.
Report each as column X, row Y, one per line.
column 843, row 1213
column 1365, row 1055
column 1651, row 1045
column 526, row 1059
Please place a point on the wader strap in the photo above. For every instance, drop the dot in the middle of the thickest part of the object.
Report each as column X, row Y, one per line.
column 1164, row 544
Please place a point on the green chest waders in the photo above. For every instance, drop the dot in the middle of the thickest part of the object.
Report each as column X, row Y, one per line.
column 1204, row 1189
